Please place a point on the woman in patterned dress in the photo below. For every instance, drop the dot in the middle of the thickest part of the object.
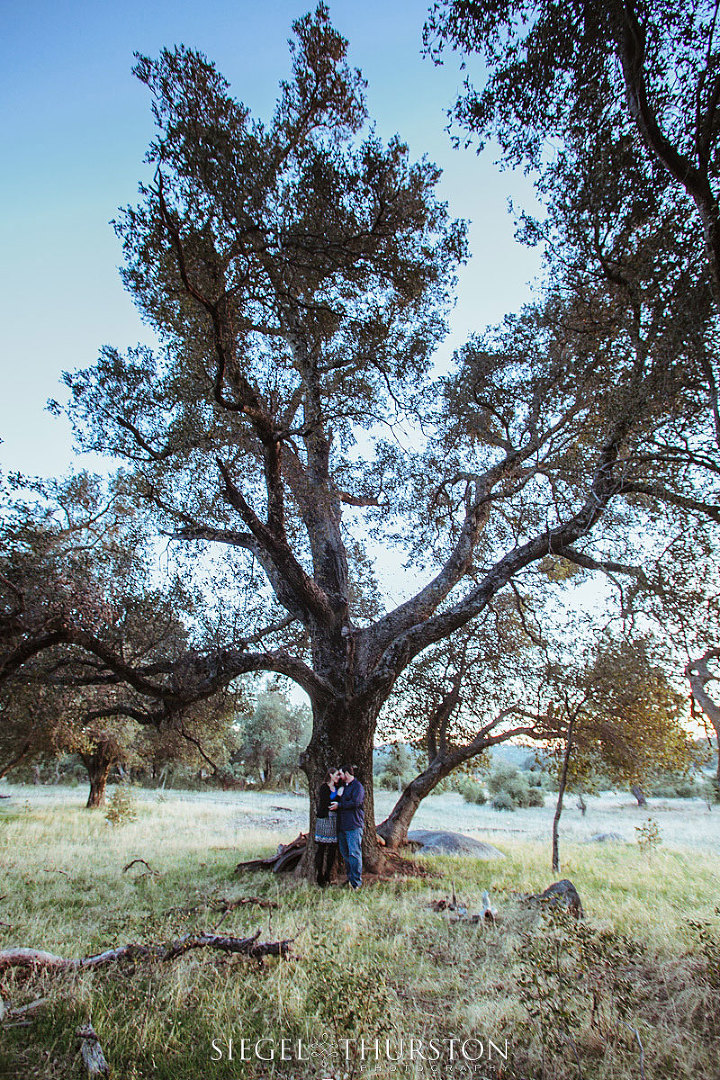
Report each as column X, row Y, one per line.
column 326, row 846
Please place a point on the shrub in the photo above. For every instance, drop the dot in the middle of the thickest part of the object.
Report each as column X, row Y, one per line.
column 389, row 781
column 514, row 783
column 472, row 791
column 535, row 797
column 500, row 778
column 122, row 807
column 503, row 801
column 648, row 835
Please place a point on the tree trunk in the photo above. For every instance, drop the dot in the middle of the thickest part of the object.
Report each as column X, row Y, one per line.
column 639, row 794
column 342, row 736
column 394, row 828
column 699, row 675
column 105, row 754
column 561, row 793
column 98, row 775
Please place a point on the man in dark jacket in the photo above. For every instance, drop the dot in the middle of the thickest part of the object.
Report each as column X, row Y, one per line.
column 350, row 821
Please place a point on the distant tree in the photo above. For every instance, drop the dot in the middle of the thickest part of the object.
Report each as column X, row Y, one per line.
column 74, row 572
column 616, row 710
column 273, row 737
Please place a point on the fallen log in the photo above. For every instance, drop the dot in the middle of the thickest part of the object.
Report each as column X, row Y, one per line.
column 256, row 950
column 91, row 1052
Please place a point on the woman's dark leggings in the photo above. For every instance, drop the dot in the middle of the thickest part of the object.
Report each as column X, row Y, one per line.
column 325, row 856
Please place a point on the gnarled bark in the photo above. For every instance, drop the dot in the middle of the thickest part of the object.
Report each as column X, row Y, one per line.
column 105, row 753
column 699, row 675
column 342, row 735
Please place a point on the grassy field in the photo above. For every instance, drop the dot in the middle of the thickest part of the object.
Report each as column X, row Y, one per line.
column 632, row 991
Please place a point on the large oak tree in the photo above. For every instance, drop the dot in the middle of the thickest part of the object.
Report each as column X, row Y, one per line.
column 298, row 275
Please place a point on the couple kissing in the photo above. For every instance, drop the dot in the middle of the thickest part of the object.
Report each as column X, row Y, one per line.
column 339, row 825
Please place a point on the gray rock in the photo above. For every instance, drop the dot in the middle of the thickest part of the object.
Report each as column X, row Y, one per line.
column 606, row 837
column 564, row 894
column 452, row 843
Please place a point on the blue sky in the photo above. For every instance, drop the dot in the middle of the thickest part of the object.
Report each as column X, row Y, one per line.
column 76, row 126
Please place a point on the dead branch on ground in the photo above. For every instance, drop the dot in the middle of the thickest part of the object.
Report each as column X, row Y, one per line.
column 38, row 959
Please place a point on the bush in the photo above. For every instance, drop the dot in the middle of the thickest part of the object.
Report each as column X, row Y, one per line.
column 503, row 801
column 663, row 791
column 501, row 778
column 472, row 791
column 511, row 781
column 535, row 797
column 389, row 781
column 122, row 807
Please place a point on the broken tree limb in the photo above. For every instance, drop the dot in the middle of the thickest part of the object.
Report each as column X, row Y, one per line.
column 142, row 861
column 91, row 1052
column 487, row 913
column 286, row 857
column 7, row 1014
column 223, row 905
column 36, row 958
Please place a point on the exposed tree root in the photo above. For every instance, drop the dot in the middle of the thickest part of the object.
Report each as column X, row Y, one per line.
column 288, row 857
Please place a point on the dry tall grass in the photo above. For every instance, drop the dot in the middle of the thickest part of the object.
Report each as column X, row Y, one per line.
column 642, row 972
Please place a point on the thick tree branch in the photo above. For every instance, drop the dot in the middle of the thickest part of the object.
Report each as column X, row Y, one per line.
column 694, row 180
column 663, row 494
column 39, row 960
column 409, row 643
column 291, row 578
column 580, row 558
column 699, row 675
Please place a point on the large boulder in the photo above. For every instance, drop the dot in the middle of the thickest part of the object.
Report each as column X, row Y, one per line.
column 452, row 843
column 562, row 894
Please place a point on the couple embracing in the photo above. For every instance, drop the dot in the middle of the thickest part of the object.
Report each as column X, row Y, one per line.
column 339, row 825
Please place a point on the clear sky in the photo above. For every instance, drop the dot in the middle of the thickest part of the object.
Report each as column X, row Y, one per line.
column 76, row 125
